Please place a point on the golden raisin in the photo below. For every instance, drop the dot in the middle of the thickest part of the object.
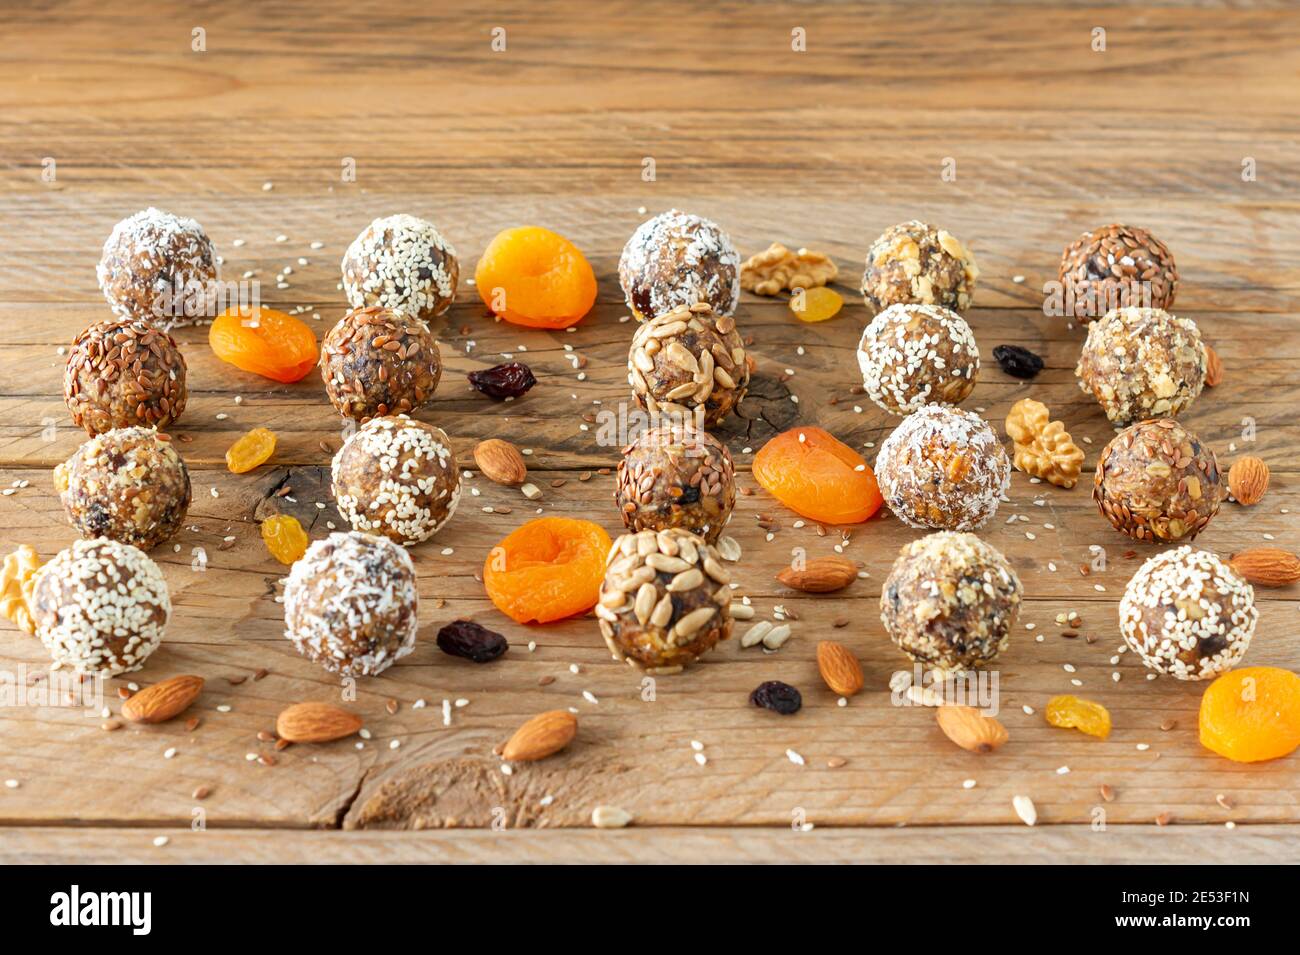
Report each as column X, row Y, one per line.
column 285, row 538
column 1070, row 712
column 252, row 449
column 816, row 304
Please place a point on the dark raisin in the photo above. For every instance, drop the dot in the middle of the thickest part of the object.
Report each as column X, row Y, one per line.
column 1018, row 362
column 504, row 381
column 465, row 638
column 777, row 696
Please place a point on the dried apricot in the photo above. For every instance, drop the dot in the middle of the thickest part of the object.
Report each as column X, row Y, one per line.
column 814, row 474
column 816, row 304
column 251, row 450
column 285, row 538
column 535, row 277
column 1070, row 712
column 548, row 569
column 1252, row 714
column 264, row 341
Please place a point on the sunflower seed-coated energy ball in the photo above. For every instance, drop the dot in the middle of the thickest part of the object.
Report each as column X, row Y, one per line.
column 678, row 259
column 377, row 361
column 1188, row 614
column 1116, row 266
column 122, row 373
column 676, row 476
column 403, row 263
column 914, row 355
column 159, row 268
column 916, row 264
column 688, row 364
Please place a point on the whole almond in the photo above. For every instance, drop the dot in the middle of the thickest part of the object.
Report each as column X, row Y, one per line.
column 162, row 701
column 500, row 461
column 316, row 723
column 1248, row 479
column 821, row 575
column 839, row 667
column 1213, row 367
column 970, row 729
column 543, row 735
column 1267, row 566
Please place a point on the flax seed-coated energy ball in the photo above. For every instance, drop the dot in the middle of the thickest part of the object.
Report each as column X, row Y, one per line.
column 160, row 268
column 688, row 363
column 676, row 476
column 1117, row 266
column 403, row 263
column 916, row 264
column 377, row 361
column 678, row 259
column 122, row 373
column 914, row 355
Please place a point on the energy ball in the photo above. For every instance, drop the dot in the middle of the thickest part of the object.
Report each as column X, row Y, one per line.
column 688, row 363
column 916, row 264
column 377, row 361
column 158, row 267
column 1142, row 363
column 676, row 476
column 950, row 602
column 913, row 355
column 129, row 485
column 397, row 477
column 665, row 601
column 350, row 604
column 678, row 259
column 943, row 467
column 124, row 373
column 100, row 607
column 1116, row 266
column 403, row 263
column 1188, row 614
column 1157, row 482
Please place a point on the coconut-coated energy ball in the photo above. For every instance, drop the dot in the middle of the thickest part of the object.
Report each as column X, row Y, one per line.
column 403, row 263
column 914, row 263
column 397, row 477
column 124, row 372
column 160, row 268
column 676, row 476
column 950, row 601
column 678, row 259
column 1187, row 613
column 914, row 355
column 1116, row 266
column 128, row 484
column 100, row 606
column 688, row 363
column 351, row 605
column 377, row 361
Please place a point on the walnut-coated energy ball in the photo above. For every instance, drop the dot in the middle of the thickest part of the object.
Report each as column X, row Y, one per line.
column 377, row 361
column 1156, row 481
column 914, row 355
column 403, row 263
column 1142, row 363
column 665, row 601
column 129, row 485
column 950, row 602
column 916, row 264
column 944, row 468
column 678, row 259
column 160, row 268
column 122, row 373
column 688, row 363
column 1116, row 266
column 397, row 477
column 676, row 476
column 351, row 605
column 100, row 607
column 1188, row 614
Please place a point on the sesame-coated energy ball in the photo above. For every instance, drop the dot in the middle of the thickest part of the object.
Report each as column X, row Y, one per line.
column 676, row 476
column 1116, row 266
column 397, row 477
column 916, row 264
column 377, row 361
column 351, row 604
column 100, row 607
column 129, row 485
column 1188, row 614
column 122, row 373
column 688, row 363
column 403, row 263
column 678, row 259
column 950, row 601
column 1142, row 363
column 160, row 268
column 944, row 468
column 913, row 355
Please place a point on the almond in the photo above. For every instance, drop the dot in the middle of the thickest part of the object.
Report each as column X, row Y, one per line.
column 162, row 701
column 1248, row 479
column 543, row 735
column 1267, row 566
column 970, row 729
column 500, row 461
column 839, row 667
column 822, row 575
column 316, row 723
column 1213, row 367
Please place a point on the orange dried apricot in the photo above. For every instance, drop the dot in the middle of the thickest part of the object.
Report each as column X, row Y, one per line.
column 547, row 569
column 264, row 341
column 814, row 474
column 816, row 304
column 251, row 450
column 1070, row 712
column 1252, row 714
column 535, row 277
column 285, row 538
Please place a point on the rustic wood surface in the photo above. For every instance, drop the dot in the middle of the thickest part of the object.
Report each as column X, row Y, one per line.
column 823, row 148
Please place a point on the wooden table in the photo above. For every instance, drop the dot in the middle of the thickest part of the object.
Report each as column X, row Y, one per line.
column 823, row 148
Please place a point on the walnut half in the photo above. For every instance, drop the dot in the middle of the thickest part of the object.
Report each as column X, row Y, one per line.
column 1043, row 448
column 778, row 269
